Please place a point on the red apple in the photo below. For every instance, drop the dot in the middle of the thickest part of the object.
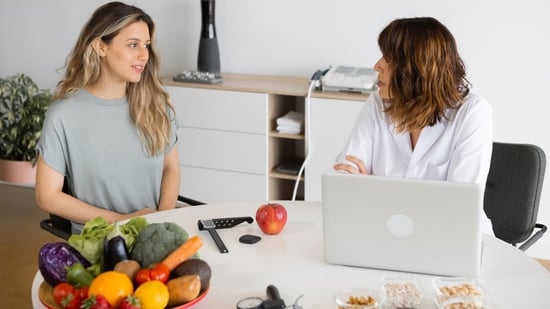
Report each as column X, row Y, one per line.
column 271, row 218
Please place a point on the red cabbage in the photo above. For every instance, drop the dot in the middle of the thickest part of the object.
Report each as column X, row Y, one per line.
column 54, row 257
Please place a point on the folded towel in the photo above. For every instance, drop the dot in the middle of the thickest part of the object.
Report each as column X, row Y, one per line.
column 287, row 130
column 292, row 119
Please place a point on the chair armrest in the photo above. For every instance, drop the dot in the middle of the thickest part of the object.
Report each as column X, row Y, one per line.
column 189, row 201
column 47, row 225
column 529, row 242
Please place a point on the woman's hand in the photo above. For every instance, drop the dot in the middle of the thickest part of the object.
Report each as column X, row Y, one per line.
column 357, row 168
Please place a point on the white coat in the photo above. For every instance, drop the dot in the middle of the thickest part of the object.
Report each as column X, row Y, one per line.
column 456, row 149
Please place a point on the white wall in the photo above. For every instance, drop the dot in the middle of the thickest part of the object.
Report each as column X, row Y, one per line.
column 505, row 45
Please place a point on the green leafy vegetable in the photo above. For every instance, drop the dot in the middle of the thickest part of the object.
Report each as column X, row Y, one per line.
column 128, row 231
column 90, row 241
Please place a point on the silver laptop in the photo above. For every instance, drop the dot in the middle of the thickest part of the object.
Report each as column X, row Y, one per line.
column 402, row 224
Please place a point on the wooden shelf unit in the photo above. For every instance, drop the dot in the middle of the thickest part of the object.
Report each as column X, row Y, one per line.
column 283, row 94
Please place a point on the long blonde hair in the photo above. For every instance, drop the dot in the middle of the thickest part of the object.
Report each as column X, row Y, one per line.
column 148, row 101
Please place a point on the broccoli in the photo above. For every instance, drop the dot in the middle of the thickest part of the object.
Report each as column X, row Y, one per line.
column 156, row 241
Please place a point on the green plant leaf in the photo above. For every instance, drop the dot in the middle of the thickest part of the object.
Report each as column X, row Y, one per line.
column 23, row 108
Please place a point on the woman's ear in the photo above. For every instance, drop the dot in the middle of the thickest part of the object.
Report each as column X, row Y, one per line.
column 99, row 47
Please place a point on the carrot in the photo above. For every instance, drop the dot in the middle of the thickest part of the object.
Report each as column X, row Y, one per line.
column 183, row 252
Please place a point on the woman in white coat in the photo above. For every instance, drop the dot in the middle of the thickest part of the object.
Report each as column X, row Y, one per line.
column 424, row 122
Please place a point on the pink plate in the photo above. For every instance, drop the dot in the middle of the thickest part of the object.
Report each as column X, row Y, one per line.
column 45, row 294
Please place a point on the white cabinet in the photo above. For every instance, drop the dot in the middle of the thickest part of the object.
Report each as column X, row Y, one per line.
column 221, row 109
column 331, row 122
column 222, row 150
column 222, row 144
column 213, row 186
column 229, row 148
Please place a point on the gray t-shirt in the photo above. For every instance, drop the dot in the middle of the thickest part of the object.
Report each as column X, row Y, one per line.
column 95, row 144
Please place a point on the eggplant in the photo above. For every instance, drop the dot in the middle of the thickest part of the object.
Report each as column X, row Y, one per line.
column 114, row 251
column 54, row 257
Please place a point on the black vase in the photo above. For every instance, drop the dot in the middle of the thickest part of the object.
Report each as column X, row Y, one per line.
column 209, row 53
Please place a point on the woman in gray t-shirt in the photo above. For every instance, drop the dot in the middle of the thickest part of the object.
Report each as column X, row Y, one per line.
column 111, row 132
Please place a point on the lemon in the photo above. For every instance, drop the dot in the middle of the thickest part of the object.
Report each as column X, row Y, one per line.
column 153, row 295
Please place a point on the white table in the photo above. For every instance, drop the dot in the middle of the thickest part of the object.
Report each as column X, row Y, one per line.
column 293, row 262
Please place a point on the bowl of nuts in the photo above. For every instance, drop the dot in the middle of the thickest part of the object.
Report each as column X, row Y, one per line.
column 459, row 293
column 356, row 299
column 402, row 293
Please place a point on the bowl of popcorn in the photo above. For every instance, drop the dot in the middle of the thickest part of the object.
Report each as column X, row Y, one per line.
column 459, row 293
column 356, row 299
column 402, row 293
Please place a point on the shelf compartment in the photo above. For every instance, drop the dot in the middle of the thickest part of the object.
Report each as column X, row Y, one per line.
column 282, row 189
column 279, row 175
column 286, row 136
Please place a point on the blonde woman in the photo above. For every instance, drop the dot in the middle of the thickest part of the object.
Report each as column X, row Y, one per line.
column 111, row 132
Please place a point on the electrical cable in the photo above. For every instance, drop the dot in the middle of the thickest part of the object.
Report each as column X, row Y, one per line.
column 314, row 82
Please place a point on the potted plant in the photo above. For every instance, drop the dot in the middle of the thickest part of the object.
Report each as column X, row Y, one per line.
column 22, row 110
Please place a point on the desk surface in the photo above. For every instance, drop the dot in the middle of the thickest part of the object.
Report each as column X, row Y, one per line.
column 293, row 261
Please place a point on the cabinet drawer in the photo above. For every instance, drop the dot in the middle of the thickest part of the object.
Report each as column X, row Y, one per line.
column 220, row 109
column 239, row 152
column 212, row 186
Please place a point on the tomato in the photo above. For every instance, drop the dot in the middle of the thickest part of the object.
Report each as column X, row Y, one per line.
column 159, row 272
column 71, row 302
column 82, row 292
column 142, row 276
column 67, row 296
column 61, row 291
column 152, row 295
column 112, row 285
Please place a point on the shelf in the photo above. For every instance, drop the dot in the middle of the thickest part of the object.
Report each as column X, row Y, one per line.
column 278, row 175
column 287, row 136
column 276, row 85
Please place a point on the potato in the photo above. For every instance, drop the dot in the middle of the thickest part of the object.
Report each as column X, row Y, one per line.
column 129, row 267
column 183, row 289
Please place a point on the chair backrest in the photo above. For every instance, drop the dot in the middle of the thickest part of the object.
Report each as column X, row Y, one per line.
column 513, row 190
column 62, row 227
column 57, row 225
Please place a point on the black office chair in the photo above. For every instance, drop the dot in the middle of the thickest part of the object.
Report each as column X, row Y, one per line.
column 512, row 193
column 61, row 227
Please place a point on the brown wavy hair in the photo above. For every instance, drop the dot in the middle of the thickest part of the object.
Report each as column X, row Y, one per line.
column 428, row 76
column 148, row 101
